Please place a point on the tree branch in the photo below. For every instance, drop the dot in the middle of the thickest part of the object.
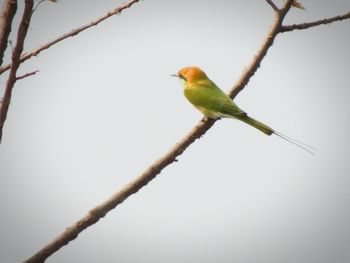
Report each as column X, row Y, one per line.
column 27, row 75
column 8, row 12
column 72, row 33
column 315, row 23
column 154, row 169
column 296, row 4
column 134, row 186
column 258, row 57
column 273, row 5
column 21, row 35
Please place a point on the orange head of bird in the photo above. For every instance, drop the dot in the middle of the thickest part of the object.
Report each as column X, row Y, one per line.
column 191, row 74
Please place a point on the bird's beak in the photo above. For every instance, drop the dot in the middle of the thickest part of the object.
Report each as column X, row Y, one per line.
column 174, row 75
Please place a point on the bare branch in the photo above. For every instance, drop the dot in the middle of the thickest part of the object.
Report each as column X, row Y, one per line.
column 267, row 43
column 154, row 169
column 8, row 12
column 315, row 23
column 21, row 35
column 27, row 75
column 134, row 186
column 39, row 2
column 296, row 4
column 273, row 5
column 72, row 33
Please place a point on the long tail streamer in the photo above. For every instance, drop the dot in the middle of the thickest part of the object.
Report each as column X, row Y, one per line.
column 297, row 143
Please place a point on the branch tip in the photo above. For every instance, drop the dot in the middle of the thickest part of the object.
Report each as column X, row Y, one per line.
column 273, row 5
column 27, row 75
column 325, row 21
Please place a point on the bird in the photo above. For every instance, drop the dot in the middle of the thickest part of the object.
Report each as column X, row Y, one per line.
column 213, row 103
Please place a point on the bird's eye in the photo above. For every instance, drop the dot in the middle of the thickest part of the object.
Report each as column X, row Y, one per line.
column 182, row 77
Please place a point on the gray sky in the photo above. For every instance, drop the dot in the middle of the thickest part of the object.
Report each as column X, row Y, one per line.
column 103, row 107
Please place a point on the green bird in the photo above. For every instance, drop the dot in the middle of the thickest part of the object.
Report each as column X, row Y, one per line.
column 209, row 99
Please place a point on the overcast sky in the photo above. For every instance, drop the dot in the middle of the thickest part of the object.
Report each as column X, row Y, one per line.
column 103, row 107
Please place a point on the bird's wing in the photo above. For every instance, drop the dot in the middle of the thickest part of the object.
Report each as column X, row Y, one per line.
column 210, row 97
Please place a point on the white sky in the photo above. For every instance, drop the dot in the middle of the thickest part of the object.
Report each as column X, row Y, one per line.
column 103, row 107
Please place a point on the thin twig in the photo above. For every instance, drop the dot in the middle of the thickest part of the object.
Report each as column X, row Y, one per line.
column 296, row 4
column 273, row 5
column 72, row 33
column 39, row 2
column 21, row 35
column 154, row 169
column 315, row 23
column 8, row 12
column 27, row 75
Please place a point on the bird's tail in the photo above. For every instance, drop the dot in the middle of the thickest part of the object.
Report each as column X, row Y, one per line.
column 256, row 124
column 267, row 130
